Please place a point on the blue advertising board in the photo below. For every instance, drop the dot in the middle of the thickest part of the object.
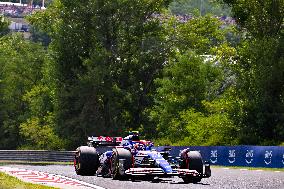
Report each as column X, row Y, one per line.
column 248, row 156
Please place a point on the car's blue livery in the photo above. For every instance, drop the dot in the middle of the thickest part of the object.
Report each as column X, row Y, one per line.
column 134, row 158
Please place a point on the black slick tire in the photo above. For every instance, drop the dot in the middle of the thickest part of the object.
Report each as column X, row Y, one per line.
column 194, row 163
column 86, row 161
column 119, row 154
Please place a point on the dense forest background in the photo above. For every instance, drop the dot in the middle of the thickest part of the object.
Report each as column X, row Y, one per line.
column 182, row 72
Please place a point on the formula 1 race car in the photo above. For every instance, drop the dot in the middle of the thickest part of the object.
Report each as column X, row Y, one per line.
column 132, row 158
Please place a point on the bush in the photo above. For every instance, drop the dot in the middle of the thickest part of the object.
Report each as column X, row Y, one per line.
column 39, row 134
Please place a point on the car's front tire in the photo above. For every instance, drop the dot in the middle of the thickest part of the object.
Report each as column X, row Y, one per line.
column 118, row 167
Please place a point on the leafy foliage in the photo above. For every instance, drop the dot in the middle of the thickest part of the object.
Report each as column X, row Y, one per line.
column 106, row 57
column 260, row 85
column 195, row 80
column 39, row 134
column 21, row 63
column 4, row 23
column 38, row 36
column 260, row 18
column 259, row 70
column 200, row 34
column 199, row 7
column 184, row 111
column 104, row 67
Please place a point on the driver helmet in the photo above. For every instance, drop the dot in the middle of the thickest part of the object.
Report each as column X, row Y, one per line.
column 134, row 135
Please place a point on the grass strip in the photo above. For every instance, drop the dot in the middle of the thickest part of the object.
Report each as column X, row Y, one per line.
column 9, row 182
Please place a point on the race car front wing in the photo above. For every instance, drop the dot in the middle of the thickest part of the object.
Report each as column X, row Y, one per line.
column 160, row 172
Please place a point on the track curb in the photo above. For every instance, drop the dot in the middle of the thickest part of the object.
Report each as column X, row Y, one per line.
column 44, row 178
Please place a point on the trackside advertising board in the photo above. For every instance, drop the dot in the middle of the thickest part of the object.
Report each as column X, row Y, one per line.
column 248, row 156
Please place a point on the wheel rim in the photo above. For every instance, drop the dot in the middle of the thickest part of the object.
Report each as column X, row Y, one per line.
column 115, row 166
column 77, row 163
column 113, row 163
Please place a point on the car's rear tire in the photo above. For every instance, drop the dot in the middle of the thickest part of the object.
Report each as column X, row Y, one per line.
column 116, row 167
column 86, row 161
column 194, row 162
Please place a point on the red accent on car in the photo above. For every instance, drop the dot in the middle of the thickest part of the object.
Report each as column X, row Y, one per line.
column 108, row 139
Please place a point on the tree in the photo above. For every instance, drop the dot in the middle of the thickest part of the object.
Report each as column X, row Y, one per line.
column 4, row 23
column 260, row 70
column 107, row 53
column 199, row 7
column 20, row 63
column 191, row 103
column 189, row 109
column 3, row 31
column 260, row 18
column 200, row 34
column 38, row 36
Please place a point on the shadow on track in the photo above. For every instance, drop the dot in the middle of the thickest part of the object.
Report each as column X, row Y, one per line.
column 170, row 181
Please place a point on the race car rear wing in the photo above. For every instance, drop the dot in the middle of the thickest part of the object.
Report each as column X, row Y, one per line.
column 104, row 141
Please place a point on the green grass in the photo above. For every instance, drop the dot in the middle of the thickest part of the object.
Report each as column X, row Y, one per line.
column 7, row 182
column 251, row 168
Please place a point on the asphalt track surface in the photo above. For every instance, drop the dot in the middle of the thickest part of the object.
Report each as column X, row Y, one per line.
column 222, row 178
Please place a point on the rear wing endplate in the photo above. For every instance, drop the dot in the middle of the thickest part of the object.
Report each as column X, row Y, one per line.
column 104, row 141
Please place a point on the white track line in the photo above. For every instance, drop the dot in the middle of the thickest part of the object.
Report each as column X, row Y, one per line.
column 81, row 182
